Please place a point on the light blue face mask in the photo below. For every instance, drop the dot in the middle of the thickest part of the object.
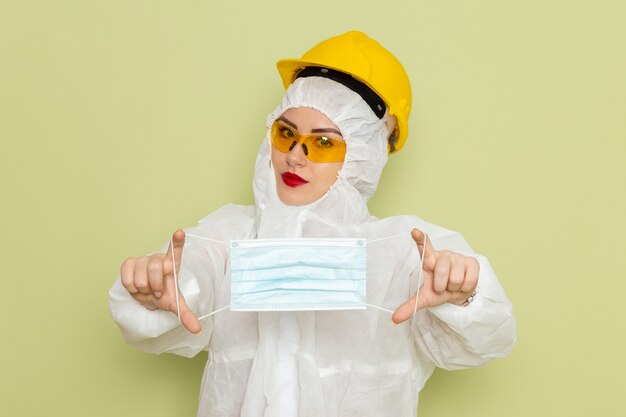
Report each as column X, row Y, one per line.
column 297, row 274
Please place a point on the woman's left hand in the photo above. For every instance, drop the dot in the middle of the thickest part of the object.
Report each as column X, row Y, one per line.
column 449, row 277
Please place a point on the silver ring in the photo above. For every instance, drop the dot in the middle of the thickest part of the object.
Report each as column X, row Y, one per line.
column 469, row 300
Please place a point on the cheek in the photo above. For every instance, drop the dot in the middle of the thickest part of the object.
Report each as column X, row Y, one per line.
column 275, row 157
column 328, row 173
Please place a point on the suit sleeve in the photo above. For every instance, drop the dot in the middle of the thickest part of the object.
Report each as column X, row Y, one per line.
column 456, row 337
column 160, row 331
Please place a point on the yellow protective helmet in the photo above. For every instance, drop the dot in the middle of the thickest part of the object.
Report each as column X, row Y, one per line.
column 367, row 61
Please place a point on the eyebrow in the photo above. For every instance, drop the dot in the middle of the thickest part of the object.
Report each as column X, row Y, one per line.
column 327, row 130
column 289, row 122
column 320, row 130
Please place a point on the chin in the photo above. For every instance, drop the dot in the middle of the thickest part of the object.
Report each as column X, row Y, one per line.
column 295, row 197
column 292, row 200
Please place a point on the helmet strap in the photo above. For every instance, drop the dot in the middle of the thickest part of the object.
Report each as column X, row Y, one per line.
column 371, row 98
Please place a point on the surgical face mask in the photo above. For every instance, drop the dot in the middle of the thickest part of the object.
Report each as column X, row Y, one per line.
column 297, row 274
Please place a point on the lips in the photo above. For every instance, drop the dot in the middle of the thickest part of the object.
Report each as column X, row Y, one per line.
column 292, row 180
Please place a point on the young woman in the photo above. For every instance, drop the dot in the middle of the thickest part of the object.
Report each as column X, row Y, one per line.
column 333, row 331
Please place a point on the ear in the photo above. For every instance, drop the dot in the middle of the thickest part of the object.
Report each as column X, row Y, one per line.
column 392, row 127
column 392, row 140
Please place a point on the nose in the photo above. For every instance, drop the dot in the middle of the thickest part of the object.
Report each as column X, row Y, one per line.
column 296, row 155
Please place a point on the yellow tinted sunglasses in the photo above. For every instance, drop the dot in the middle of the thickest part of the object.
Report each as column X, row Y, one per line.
column 317, row 148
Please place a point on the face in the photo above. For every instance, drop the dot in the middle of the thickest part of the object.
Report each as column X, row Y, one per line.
column 299, row 180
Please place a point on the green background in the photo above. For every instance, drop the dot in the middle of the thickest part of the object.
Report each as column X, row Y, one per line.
column 123, row 120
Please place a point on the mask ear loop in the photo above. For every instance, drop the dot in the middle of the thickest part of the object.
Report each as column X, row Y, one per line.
column 176, row 282
column 420, row 277
column 176, row 278
column 369, row 242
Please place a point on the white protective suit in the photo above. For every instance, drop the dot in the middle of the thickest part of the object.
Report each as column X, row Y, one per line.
column 322, row 363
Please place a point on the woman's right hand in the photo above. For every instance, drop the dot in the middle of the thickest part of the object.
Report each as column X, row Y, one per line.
column 150, row 281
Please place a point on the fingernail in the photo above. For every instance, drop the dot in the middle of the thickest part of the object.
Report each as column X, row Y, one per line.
column 157, row 294
column 394, row 323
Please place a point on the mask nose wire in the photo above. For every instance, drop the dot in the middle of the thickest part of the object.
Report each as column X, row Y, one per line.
column 178, row 293
column 419, row 276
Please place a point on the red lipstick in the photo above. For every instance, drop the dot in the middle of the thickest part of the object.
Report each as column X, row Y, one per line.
column 292, row 180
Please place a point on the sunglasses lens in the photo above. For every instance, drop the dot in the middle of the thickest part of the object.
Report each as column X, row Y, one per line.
column 320, row 148
column 282, row 137
column 324, row 149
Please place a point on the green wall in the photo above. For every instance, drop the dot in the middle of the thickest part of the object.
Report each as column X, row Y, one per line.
column 123, row 120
